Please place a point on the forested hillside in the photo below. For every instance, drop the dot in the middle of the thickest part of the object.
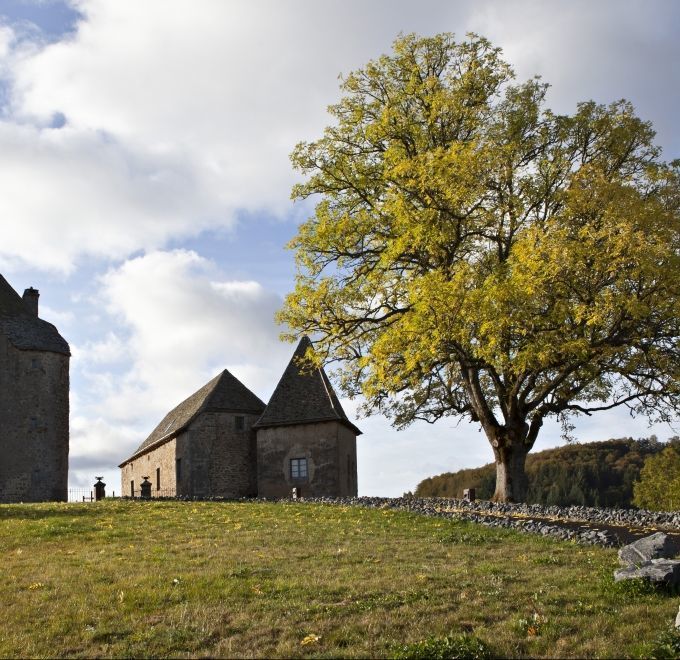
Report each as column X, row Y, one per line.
column 591, row 474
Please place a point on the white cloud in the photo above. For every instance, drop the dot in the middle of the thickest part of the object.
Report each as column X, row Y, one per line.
column 185, row 325
column 176, row 326
column 594, row 50
column 96, row 448
column 6, row 41
column 174, row 117
column 68, row 192
column 177, row 117
column 58, row 317
column 112, row 349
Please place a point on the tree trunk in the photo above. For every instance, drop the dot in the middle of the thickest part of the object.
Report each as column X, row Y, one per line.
column 511, row 478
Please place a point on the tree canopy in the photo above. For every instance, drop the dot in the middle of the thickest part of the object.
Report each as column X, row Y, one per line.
column 473, row 254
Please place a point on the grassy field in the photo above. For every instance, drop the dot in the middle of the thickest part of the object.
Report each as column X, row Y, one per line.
column 121, row 578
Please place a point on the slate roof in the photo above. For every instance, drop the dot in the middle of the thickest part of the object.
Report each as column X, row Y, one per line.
column 24, row 330
column 303, row 396
column 224, row 393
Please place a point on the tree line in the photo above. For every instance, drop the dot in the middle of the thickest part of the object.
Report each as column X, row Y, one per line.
column 605, row 474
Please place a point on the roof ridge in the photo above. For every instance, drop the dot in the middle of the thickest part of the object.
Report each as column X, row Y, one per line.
column 211, row 392
column 224, row 392
column 324, row 378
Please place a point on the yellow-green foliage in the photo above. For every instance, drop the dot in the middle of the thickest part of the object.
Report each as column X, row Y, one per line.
column 474, row 254
column 659, row 486
column 182, row 579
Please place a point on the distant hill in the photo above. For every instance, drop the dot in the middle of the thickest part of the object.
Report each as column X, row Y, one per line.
column 590, row 474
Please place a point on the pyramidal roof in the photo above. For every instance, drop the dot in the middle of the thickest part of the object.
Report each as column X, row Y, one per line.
column 303, row 396
column 24, row 330
column 224, row 393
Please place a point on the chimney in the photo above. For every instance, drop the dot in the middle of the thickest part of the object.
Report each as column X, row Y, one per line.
column 31, row 299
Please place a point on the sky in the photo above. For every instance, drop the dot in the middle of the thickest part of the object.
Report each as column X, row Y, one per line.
column 145, row 185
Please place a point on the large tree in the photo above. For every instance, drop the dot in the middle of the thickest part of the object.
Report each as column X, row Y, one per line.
column 473, row 254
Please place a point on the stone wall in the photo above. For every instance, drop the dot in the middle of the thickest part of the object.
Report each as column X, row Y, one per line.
column 34, row 425
column 221, row 458
column 163, row 458
column 325, row 445
column 347, row 462
column 216, row 460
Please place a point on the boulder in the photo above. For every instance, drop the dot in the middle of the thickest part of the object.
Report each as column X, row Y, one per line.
column 659, row 571
column 651, row 547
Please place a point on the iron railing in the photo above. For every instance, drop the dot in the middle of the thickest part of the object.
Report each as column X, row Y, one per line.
column 84, row 494
column 155, row 492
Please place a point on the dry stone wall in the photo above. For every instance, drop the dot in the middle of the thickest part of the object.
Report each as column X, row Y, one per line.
column 589, row 525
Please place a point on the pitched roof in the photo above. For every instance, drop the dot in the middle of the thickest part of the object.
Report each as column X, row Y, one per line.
column 24, row 330
column 224, row 393
column 303, row 396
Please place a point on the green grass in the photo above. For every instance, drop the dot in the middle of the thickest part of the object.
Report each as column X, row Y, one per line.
column 121, row 578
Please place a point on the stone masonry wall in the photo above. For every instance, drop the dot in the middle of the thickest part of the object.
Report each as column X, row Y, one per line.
column 162, row 457
column 325, row 446
column 221, row 458
column 217, row 460
column 347, row 462
column 34, row 425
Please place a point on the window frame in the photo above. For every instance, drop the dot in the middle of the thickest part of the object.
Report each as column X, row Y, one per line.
column 299, row 468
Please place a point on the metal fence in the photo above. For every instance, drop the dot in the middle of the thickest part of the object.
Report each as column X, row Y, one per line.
column 84, row 494
column 80, row 495
column 155, row 492
column 88, row 494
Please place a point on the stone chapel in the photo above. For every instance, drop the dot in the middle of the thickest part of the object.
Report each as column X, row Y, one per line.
column 223, row 441
column 34, row 402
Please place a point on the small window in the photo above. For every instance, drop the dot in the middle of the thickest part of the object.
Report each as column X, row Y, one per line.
column 178, row 470
column 158, row 478
column 34, row 422
column 132, row 489
column 239, row 422
column 298, row 468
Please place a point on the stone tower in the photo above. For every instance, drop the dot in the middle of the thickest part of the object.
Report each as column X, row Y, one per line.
column 34, row 402
column 304, row 438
